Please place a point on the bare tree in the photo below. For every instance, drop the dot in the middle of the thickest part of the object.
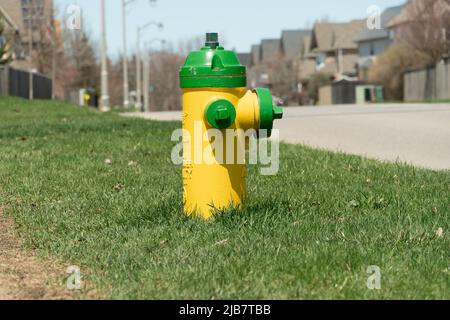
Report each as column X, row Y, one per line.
column 81, row 53
column 390, row 66
column 280, row 75
column 164, row 87
column 116, row 81
column 188, row 45
column 46, row 38
column 424, row 26
column 164, row 81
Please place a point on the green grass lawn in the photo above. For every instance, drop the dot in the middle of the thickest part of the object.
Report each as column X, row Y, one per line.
column 309, row 232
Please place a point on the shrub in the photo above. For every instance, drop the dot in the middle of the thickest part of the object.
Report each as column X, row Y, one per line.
column 317, row 80
column 389, row 68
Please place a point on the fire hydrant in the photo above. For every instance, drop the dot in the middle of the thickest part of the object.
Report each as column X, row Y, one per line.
column 215, row 97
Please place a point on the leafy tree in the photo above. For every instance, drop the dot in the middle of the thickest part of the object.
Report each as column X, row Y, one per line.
column 315, row 82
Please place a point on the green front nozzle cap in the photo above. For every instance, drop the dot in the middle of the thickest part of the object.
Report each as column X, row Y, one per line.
column 212, row 67
column 221, row 114
column 267, row 111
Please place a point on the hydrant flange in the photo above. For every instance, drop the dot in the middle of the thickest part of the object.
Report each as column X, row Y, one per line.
column 267, row 111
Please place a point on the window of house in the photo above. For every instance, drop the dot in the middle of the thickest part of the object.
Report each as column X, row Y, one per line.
column 372, row 49
column 391, row 34
column 320, row 59
column 33, row 9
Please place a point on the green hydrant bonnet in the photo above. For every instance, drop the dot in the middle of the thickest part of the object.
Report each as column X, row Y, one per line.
column 212, row 67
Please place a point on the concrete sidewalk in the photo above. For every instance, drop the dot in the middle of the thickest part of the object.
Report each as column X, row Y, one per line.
column 418, row 134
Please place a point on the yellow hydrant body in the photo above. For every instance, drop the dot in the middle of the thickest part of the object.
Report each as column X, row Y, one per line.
column 217, row 110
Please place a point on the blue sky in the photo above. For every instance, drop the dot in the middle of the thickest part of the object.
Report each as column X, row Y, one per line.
column 240, row 23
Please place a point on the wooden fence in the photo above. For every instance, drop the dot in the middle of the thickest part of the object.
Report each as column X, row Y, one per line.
column 430, row 84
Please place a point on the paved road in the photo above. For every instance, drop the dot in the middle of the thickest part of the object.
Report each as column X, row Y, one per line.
column 414, row 133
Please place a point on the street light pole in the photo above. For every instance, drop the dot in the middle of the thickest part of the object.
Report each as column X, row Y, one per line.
column 126, row 94
column 126, row 91
column 138, row 71
column 138, row 63
column 126, row 101
column 146, row 81
column 104, row 100
column 146, row 84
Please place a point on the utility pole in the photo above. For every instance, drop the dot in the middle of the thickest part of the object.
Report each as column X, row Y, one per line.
column 30, row 9
column 126, row 94
column 126, row 101
column 104, row 100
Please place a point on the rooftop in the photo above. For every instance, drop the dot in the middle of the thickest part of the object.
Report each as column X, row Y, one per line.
column 328, row 36
column 270, row 49
column 386, row 17
column 293, row 41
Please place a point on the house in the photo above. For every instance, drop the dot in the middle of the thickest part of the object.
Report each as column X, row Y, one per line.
column 275, row 63
column 245, row 59
column 270, row 50
column 16, row 14
column 255, row 54
column 265, row 58
column 292, row 43
column 295, row 47
column 306, row 67
column 372, row 42
column 333, row 48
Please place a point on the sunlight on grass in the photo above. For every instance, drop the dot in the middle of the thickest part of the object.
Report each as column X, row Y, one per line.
column 101, row 192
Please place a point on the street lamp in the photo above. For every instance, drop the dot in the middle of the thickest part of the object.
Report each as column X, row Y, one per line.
column 126, row 94
column 146, row 84
column 138, row 61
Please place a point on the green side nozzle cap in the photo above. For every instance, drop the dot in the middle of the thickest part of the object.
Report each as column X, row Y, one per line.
column 212, row 67
column 267, row 111
column 221, row 114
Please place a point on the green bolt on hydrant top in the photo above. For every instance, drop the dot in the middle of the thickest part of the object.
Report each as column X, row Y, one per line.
column 212, row 67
